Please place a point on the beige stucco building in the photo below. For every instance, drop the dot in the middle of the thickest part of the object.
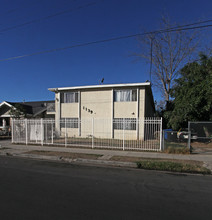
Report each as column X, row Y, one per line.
column 108, row 105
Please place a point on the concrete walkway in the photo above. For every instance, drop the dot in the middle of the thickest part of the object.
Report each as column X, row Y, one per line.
column 7, row 148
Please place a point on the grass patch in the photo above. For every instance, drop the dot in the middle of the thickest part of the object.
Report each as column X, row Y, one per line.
column 177, row 150
column 172, row 166
column 185, row 166
column 65, row 154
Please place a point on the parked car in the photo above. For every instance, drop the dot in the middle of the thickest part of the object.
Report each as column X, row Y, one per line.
column 183, row 134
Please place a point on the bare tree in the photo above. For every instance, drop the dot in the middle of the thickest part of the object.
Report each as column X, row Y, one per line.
column 167, row 52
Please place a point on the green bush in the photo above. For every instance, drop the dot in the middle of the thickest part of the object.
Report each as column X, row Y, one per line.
column 172, row 166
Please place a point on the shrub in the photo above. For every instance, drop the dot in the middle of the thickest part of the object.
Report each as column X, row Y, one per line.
column 172, row 166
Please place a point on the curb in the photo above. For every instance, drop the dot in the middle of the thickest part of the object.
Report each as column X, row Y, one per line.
column 80, row 161
column 74, row 161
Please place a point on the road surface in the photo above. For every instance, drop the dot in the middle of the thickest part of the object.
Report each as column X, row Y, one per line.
column 32, row 189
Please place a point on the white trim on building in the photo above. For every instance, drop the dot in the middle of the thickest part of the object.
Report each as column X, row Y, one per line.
column 100, row 86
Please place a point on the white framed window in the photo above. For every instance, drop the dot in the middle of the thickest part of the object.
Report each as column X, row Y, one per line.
column 69, row 97
column 124, row 124
column 69, row 122
column 127, row 95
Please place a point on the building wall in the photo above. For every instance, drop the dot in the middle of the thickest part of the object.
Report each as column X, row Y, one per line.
column 126, row 135
column 98, row 104
column 69, row 110
column 57, row 114
column 70, row 132
column 140, row 132
column 149, row 108
column 142, row 103
column 125, row 110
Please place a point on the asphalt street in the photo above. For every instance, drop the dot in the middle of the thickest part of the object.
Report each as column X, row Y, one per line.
column 33, row 189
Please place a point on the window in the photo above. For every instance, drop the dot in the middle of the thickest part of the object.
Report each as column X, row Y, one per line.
column 129, row 95
column 124, row 124
column 69, row 97
column 50, row 107
column 69, row 122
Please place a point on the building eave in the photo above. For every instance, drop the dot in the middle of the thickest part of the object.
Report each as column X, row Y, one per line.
column 100, row 86
column 5, row 103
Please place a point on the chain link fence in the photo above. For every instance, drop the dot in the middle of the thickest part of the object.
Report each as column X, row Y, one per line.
column 197, row 137
column 175, row 139
column 201, row 136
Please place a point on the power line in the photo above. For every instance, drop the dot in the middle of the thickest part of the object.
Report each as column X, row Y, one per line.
column 47, row 17
column 70, row 10
column 10, row 11
column 179, row 28
column 192, row 24
column 78, row 8
column 31, row 6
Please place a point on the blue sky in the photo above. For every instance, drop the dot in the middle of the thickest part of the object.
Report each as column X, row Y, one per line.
column 29, row 78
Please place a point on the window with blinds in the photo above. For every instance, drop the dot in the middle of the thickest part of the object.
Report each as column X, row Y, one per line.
column 69, row 97
column 129, row 95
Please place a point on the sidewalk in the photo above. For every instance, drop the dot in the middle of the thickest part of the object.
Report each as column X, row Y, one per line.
column 102, row 157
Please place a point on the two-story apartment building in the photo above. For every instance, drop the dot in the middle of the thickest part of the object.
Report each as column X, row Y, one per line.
column 114, row 103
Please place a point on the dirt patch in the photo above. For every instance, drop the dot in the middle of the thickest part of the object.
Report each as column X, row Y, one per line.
column 201, row 147
column 136, row 159
column 65, row 154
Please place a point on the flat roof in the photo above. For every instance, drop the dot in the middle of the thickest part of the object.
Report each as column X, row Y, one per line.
column 100, row 86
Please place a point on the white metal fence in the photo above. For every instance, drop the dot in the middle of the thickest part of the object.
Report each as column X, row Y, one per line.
column 125, row 134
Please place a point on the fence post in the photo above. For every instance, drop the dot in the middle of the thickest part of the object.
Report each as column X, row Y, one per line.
column 163, row 140
column 123, row 132
column 137, row 128
column 79, row 126
column 12, row 130
column 46, row 134
column 26, row 131
column 189, row 136
column 65, row 133
column 161, row 146
column 52, row 134
column 41, row 124
column 189, row 140
column 92, row 133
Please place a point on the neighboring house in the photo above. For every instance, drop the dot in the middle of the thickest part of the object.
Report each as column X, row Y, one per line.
column 114, row 102
column 39, row 109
